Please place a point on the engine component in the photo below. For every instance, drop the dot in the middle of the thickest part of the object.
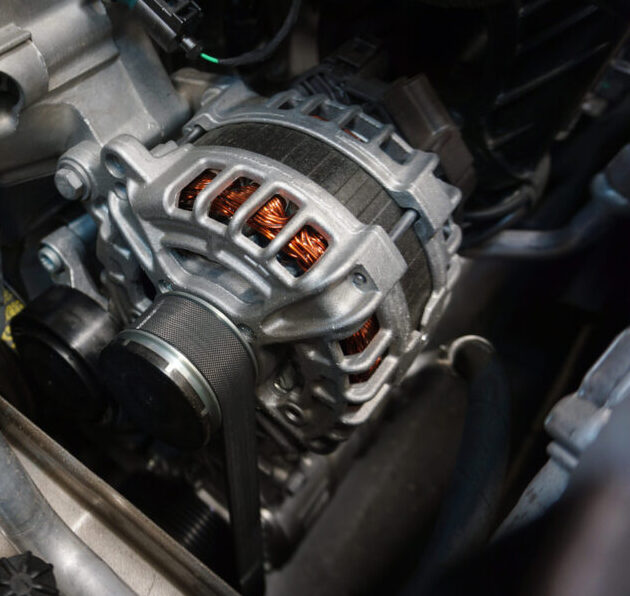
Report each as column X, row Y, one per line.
column 351, row 76
column 26, row 575
column 609, row 201
column 315, row 229
column 241, row 294
column 133, row 547
column 170, row 378
column 66, row 253
column 59, row 337
column 175, row 384
column 54, row 64
column 574, row 424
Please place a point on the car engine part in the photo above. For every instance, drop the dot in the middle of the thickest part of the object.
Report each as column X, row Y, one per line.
column 261, row 247
column 295, row 278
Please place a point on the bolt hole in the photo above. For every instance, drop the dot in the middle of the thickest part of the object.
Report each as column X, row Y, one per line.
column 11, row 101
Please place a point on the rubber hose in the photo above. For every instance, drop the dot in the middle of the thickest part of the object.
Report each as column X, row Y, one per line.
column 470, row 505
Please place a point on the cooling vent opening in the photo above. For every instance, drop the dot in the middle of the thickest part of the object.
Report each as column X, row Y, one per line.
column 357, row 343
column 288, row 104
column 303, row 251
column 394, row 150
column 227, row 203
column 269, row 220
column 360, row 129
column 189, row 193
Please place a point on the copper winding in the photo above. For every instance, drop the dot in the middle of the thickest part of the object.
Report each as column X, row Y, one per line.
column 189, row 193
column 356, row 343
column 305, row 248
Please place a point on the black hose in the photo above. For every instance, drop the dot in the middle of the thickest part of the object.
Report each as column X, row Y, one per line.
column 470, row 506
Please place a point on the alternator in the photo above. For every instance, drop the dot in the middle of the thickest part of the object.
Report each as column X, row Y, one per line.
column 321, row 237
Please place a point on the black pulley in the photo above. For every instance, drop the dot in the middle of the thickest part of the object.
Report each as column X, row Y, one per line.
column 59, row 337
column 170, row 369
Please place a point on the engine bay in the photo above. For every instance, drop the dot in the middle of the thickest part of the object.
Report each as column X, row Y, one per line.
column 343, row 312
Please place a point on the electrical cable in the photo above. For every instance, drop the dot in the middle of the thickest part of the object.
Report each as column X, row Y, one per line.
column 261, row 54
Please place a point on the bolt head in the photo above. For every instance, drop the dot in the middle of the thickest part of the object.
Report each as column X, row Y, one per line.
column 359, row 279
column 50, row 260
column 69, row 184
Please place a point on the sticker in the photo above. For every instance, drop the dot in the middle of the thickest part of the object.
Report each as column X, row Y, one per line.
column 12, row 306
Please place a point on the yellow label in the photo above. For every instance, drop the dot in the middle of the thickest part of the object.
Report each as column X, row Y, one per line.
column 12, row 306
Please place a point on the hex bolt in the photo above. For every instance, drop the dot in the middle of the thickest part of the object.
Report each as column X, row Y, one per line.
column 50, row 260
column 70, row 184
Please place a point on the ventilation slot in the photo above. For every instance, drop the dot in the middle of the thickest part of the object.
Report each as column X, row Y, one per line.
column 299, row 254
column 189, row 194
column 357, row 343
column 226, row 204
column 303, row 251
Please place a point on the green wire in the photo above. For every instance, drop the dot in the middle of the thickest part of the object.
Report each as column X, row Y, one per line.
column 209, row 58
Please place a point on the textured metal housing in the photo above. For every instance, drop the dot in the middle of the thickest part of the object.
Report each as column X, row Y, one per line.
column 294, row 323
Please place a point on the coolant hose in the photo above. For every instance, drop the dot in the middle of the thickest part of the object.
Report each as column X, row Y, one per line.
column 30, row 523
column 469, row 507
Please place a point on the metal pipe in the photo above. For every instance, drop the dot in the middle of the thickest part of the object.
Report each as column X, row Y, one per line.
column 30, row 523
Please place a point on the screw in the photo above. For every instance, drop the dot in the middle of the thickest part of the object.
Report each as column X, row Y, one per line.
column 359, row 279
column 50, row 260
column 70, row 184
column 165, row 286
column 294, row 414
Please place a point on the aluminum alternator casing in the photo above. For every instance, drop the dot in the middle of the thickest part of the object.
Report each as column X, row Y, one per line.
column 295, row 324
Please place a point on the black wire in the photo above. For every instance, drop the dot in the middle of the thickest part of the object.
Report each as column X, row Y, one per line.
column 261, row 54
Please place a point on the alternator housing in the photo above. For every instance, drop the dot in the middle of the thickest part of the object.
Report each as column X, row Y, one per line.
column 384, row 218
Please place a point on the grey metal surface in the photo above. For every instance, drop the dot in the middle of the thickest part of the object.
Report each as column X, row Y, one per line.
column 70, row 77
column 146, row 558
column 64, row 253
column 30, row 523
column 574, row 424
